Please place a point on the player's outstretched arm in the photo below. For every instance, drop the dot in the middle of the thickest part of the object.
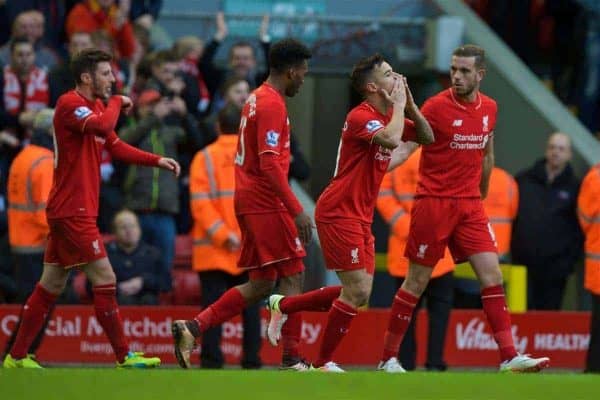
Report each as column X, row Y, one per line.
column 170, row 165
column 488, row 165
column 422, row 128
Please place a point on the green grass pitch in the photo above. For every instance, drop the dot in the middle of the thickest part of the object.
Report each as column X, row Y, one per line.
column 109, row 384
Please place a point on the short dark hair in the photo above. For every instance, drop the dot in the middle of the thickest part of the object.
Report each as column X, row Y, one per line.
column 241, row 43
column 471, row 50
column 17, row 41
column 362, row 69
column 232, row 81
column 229, row 118
column 87, row 61
column 163, row 56
column 287, row 53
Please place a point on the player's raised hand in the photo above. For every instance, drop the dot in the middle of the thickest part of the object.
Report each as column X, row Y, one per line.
column 222, row 30
column 169, row 164
column 410, row 101
column 305, row 226
column 263, row 31
column 126, row 104
column 397, row 96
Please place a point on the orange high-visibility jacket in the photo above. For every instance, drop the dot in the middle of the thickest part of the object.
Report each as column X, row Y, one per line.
column 29, row 183
column 212, row 180
column 395, row 200
column 588, row 210
column 501, row 206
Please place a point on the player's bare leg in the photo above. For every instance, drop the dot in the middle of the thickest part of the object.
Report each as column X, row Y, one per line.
column 356, row 289
column 488, row 272
column 186, row 332
column 102, row 277
column 50, row 286
column 403, row 306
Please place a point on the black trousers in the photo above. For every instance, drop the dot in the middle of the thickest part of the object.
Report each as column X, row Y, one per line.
column 544, row 291
column 28, row 272
column 439, row 297
column 593, row 356
column 214, row 284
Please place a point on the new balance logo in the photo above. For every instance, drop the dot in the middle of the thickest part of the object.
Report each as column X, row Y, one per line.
column 457, row 122
column 422, row 250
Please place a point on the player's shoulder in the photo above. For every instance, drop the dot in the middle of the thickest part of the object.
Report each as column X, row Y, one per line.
column 71, row 102
column 440, row 99
column 362, row 112
column 266, row 95
column 488, row 102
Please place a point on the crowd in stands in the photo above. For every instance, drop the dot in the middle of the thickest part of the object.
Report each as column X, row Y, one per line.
column 558, row 40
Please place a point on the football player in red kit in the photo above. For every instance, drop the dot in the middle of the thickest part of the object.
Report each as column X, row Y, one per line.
column 83, row 126
column 374, row 140
column 448, row 210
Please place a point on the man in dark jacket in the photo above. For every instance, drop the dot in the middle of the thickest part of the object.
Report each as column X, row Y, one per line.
column 137, row 265
column 546, row 235
column 153, row 195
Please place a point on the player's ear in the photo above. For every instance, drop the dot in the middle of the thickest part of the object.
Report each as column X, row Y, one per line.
column 371, row 87
column 86, row 78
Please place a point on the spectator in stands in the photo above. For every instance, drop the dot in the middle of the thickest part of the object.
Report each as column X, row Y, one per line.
column 155, row 195
column 170, row 81
column 54, row 13
column 29, row 183
column 241, row 60
column 60, row 79
column 188, row 50
column 546, row 235
column 144, row 14
column 25, row 89
column 120, row 67
column 589, row 218
column 217, row 237
column 107, row 15
column 394, row 203
column 137, row 265
column 30, row 25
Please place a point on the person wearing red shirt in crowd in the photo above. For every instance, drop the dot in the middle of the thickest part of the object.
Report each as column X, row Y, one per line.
column 91, row 15
column 373, row 141
column 83, row 126
column 274, row 227
column 448, row 210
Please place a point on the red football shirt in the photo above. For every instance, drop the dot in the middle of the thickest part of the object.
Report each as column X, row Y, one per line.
column 452, row 165
column 360, row 166
column 264, row 128
column 77, row 156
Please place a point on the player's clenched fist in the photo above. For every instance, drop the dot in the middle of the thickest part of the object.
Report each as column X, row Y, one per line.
column 126, row 104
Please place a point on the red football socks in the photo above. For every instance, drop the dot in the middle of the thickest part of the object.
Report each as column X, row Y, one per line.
column 229, row 305
column 34, row 313
column 290, row 336
column 107, row 313
column 494, row 306
column 402, row 310
column 315, row 300
column 338, row 322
